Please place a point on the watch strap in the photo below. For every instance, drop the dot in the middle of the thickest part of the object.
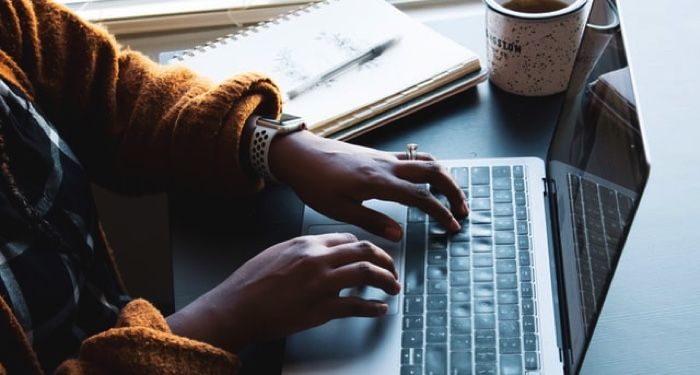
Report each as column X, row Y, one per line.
column 260, row 151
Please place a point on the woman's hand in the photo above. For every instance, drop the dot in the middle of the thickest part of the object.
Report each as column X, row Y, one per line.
column 335, row 177
column 287, row 288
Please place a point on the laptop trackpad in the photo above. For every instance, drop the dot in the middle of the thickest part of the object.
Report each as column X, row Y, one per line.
column 392, row 248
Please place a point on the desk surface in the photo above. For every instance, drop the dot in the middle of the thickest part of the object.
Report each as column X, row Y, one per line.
column 649, row 323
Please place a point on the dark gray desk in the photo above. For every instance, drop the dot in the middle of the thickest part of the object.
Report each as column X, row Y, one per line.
column 651, row 321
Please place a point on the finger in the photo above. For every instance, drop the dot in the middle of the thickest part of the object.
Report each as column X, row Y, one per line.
column 414, row 195
column 438, row 177
column 362, row 273
column 419, row 156
column 374, row 222
column 345, row 307
column 334, row 239
column 361, row 251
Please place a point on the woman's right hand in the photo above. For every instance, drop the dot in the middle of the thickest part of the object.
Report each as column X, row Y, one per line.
column 289, row 287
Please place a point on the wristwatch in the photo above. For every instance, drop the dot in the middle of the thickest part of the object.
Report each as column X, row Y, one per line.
column 265, row 130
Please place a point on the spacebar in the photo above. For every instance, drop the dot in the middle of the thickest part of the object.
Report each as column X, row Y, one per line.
column 414, row 279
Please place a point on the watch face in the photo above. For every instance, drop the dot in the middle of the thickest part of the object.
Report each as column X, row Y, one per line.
column 287, row 117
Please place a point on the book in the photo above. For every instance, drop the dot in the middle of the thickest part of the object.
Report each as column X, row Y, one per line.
column 298, row 46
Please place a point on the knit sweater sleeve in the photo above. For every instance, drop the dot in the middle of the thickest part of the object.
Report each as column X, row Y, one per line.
column 136, row 126
column 142, row 343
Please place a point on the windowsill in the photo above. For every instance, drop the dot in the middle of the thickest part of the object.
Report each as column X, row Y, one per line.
column 143, row 18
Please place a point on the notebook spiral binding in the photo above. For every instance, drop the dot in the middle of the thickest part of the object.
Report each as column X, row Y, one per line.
column 252, row 29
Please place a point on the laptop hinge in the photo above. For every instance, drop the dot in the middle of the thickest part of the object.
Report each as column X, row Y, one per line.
column 550, row 186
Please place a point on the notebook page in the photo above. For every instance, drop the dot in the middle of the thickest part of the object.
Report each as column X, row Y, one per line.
column 299, row 47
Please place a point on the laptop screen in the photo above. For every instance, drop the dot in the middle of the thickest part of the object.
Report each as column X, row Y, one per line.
column 599, row 167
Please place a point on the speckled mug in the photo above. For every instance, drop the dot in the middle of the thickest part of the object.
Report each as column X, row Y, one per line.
column 532, row 54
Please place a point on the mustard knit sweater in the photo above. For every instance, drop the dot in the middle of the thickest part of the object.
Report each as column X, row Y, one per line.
column 136, row 127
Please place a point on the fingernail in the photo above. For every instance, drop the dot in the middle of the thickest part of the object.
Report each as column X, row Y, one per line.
column 393, row 233
column 454, row 226
column 397, row 288
column 382, row 308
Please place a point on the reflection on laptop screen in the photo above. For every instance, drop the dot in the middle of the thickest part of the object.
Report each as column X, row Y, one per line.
column 598, row 164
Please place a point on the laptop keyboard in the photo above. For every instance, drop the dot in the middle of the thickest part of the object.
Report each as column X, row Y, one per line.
column 469, row 303
column 600, row 215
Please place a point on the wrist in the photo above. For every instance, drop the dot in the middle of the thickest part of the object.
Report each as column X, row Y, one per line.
column 285, row 153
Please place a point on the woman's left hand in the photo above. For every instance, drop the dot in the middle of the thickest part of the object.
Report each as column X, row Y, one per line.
column 334, row 178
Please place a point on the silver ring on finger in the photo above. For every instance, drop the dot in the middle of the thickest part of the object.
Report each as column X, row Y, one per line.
column 411, row 151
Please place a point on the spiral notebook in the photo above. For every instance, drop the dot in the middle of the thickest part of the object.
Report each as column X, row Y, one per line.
column 298, row 46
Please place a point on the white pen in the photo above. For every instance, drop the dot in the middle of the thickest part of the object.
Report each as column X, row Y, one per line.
column 362, row 58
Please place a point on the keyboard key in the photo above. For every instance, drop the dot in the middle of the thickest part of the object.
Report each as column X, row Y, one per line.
column 459, row 278
column 437, row 303
column 411, row 339
column 437, row 287
column 522, row 227
column 530, row 342
column 437, row 243
column 528, row 306
column 525, row 273
column 461, row 342
column 519, row 184
column 483, row 275
column 414, row 279
column 482, row 260
column 417, row 356
column 481, row 230
column 480, row 217
column 503, row 209
column 485, row 369
column 480, row 204
column 484, row 321
column 500, row 171
column 508, row 328
column 437, row 272
column 435, row 229
column 511, row 365
column 411, row 370
column 518, row 171
column 436, row 359
column 416, row 215
column 520, row 199
column 501, row 183
column 413, row 305
column 460, row 309
column 506, row 266
column 436, row 319
column 504, row 238
column 484, row 306
column 480, row 175
column 483, row 290
column 482, row 244
column 524, row 258
column 413, row 323
column 484, row 338
column 405, row 356
column 506, row 281
column 460, row 294
column 461, row 176
column 523, row 242
column 503, row 223
column 531, row 361
column 508, row 312
column 460, row 363
column 459, row 249
column 459, row 264
column 461, row 326
column 529, row 325
column 521, row 212
column 481, row 191
column 485, row 355
column 507, row 297
column 462, row 235
column 509, row 346
column 526, row 290
column 436, row 335
column 505, row 252
column 437, row 258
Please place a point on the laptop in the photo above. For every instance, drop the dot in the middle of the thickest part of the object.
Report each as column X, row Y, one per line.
column 519, row 289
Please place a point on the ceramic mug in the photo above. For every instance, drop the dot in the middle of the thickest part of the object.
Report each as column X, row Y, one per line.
column 532, row 53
